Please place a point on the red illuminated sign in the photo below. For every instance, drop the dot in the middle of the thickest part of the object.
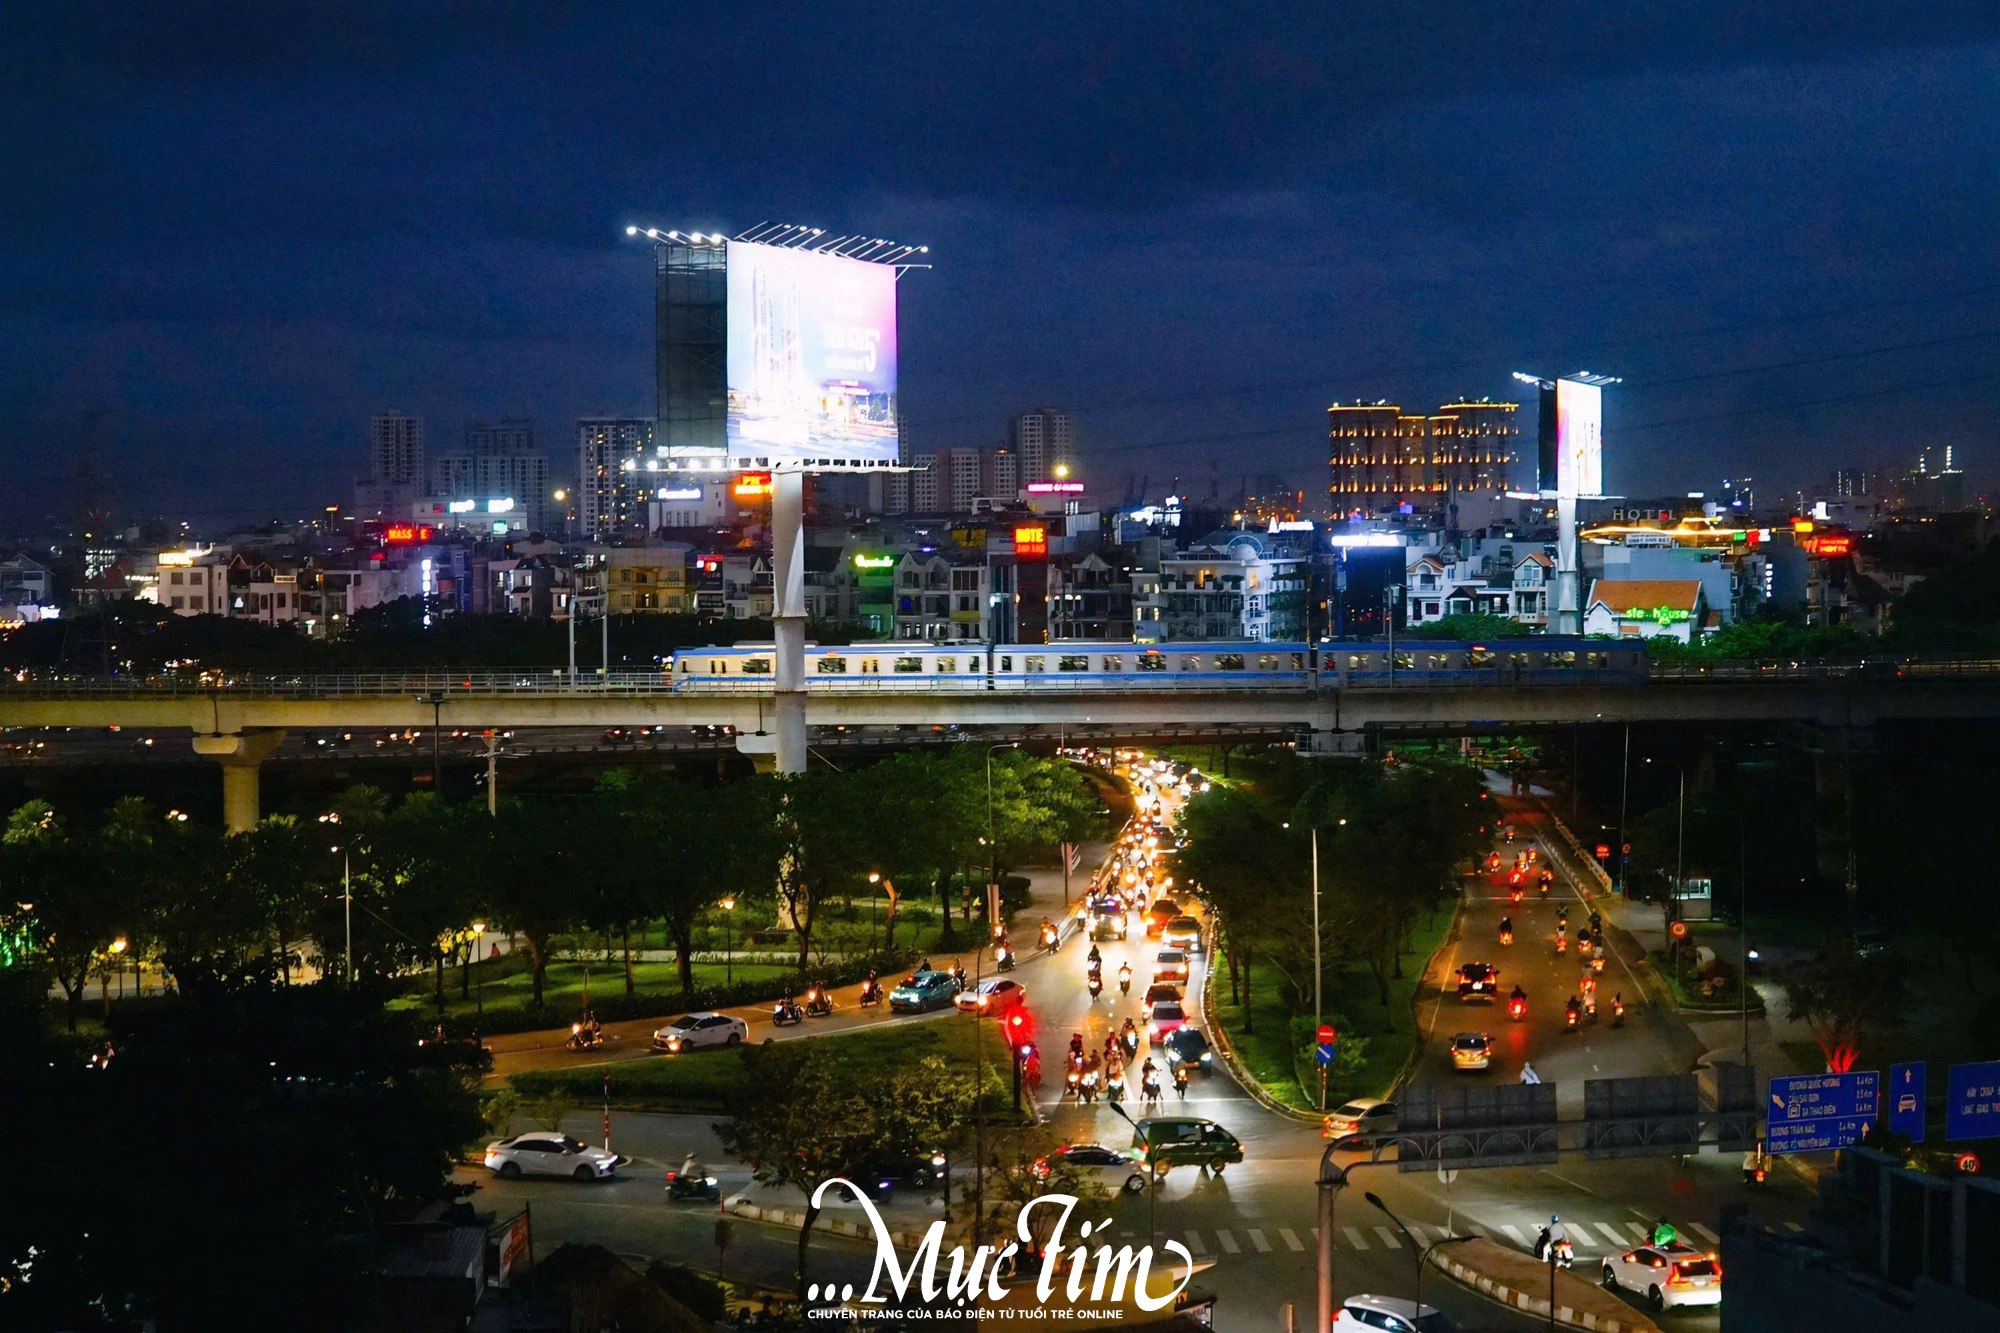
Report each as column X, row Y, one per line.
column 752, row 486
column 1830, row 546
column 406, row 534
column 1031, row 540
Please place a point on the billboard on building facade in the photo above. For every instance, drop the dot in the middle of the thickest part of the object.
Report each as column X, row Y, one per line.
column 1579, row 438
column 811, row 359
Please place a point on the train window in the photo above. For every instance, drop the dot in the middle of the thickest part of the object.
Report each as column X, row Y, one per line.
column 1298, row 661
column 1152, row 661
column 1034, row 664
column 1267, row 662
column 1597, row 660
column 972, row 664
column 947, row 665
column 1562, row 661
column 909, row 665
column 1406, row 661
column 1073, row 662
column 756, row 666
column 1482, row 657
column 1518, row 662
column 1113, row 662
column 1229, row 661
column 716, row 667
column 687, row 665
column 832, row 666
column 1356, row 662
column 871, row 666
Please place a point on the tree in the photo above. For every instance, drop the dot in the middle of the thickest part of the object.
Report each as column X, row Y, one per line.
column 521, row 863
column 805, row 1122
column 284, row 865
column 1242, row 862
column 823, row 845
column 77, row 908
column 1840, row 994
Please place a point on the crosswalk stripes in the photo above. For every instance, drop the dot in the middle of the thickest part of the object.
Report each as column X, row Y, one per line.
column 1479, row 1231
column 1515, row 1234
column 1354, row 1238
column 1640, row 1232
column 1228, row 1239
column 1618, row 1241
column 1388, row 1238
column 1704, row 1233
column 1291, row 1239
column 1257, row 1239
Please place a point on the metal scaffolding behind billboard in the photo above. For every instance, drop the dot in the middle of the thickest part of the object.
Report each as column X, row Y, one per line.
column 691, row 312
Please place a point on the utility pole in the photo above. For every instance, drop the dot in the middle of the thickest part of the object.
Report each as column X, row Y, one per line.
column 492, row 773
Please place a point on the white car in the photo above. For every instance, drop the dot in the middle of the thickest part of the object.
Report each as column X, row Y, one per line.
column 697, row 1030
column 1361, row 1120
column 544, row 1153
column 1666, row 1275
column 1389, row 1314
column 1171, row 965
column 995, row 995
column 1472, row 1050
column 1112, row 1169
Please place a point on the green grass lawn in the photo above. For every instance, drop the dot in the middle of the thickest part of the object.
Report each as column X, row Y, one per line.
column 564, row 982
column 1352, row 997
column 709, row 1081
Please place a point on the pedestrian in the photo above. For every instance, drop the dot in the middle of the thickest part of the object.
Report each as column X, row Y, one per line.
column 1528, row 1074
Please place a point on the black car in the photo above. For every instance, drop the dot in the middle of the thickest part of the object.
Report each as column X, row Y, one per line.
column 1478, row 981
column 909, row 1171
column 1188, row 1048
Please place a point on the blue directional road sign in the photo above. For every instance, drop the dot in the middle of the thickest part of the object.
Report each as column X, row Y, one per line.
column 1323, row 1054
column 1906, row 1101
column 1972, row 1101
column 1820, row 1112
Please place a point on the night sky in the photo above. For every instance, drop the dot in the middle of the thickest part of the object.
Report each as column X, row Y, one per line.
column 232, row 232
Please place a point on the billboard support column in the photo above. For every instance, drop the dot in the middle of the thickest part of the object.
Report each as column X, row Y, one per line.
column 1569, row 579
column 788, row 615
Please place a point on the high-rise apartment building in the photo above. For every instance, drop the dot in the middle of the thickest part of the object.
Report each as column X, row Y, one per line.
column 1002, row 474
column 963, row 474
column 613, row 482
column 1042, row 439
column 1381, row 457
column 929, row 487
column 396, row 449
column 499, row 461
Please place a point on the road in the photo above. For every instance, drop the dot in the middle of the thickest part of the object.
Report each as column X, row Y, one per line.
column 1255, row 1224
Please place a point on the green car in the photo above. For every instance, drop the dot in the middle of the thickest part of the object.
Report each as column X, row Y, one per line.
column 1162, row 1143
column 922, row 992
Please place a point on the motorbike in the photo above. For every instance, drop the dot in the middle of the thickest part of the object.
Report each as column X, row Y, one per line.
column 958, row 973
column 1562, row 944
column 1125, row 979
column 1544, row 886
column 1583, row 941
column 1517, row 1009
column 1506, row 937
column 1565, row 1253
column 1617, row 1012
column 1131, row 1039
column 1087, row 1090
column 1073, row 1081
column 1756, row 1167
column 1493, row 861
column 1572, row 1015
column 1051, row 940
column 582, row 1038
column 1096, row 985
column 871, row 993
column 684, row 1186
column 1115, row 1088
column 1003, row 956
column 786, row 1012
column 1515, row 897
column 1149, row 1088
column 1180, row 1082
column 1590, row 1008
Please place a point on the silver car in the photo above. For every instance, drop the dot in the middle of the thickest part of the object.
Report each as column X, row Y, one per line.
column 697, row 1030
column 544, row 1153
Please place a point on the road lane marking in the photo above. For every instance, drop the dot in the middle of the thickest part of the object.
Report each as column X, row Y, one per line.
column 1617, row 1237
column 1793, row 1226
column 1515, row 1234
column 1228, row 1239
column 1257, row 1239
column 1704, row 1233
column 1479, row 1231
column 1641, row 1231
column 1388, row 1238
column 1196, row 1244
column 1354, row 1238
column 1291, row 1239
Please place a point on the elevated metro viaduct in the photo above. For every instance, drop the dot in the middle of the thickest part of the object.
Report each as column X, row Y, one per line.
column 239, row 727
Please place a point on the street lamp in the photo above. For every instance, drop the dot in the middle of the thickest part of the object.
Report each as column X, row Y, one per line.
column 729, row 942
column 1680, row 835
column 1423, row 1252
column 346, row 892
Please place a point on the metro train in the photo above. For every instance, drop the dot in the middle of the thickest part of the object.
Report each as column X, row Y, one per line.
column 1232, row 665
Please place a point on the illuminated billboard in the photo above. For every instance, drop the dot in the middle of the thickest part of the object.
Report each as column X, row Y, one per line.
column 811, row 360
column 1579, row 439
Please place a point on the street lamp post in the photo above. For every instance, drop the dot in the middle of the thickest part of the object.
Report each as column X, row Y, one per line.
column 729, row 942
column 1422, row 1251
column 1680, row 834
column 346, row 893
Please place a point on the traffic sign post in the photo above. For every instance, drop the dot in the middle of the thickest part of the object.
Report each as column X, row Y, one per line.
column 1906, row 1100
column 1323, row 1053
column 1820, row 1112
column 1972, row 1101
